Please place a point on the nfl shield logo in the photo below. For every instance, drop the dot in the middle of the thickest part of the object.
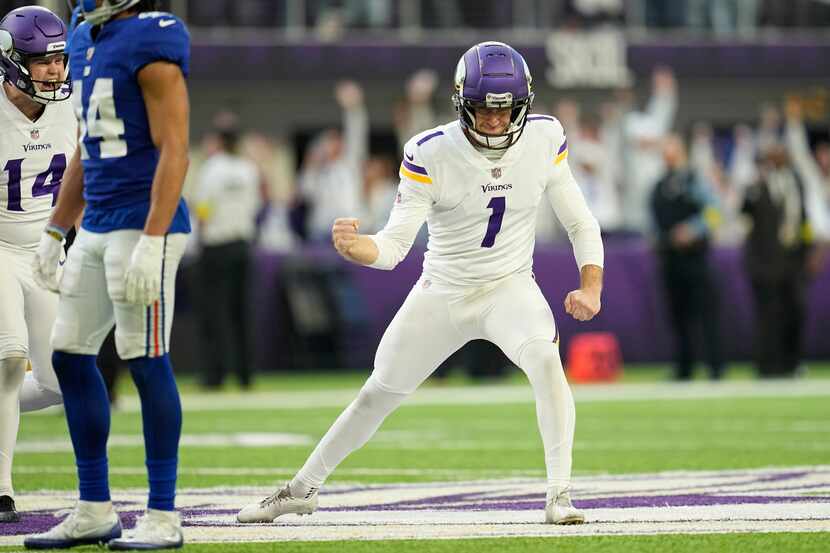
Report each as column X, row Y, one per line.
column 496, row 173
column 35, row 134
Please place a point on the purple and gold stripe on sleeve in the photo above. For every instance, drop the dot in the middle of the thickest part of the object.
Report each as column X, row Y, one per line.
column 562, row 153
column 414, row 172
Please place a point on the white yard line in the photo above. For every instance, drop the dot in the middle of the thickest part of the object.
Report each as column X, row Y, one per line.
column 500, row 394
column 290, row 471
column 417, row 442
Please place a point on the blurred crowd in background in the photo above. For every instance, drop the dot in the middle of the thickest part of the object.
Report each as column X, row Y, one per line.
column 765, row 183
column 617, row 155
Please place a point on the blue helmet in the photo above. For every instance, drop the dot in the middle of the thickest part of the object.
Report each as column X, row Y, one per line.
column 97, row 15
column 33, row 32
column 493, row 75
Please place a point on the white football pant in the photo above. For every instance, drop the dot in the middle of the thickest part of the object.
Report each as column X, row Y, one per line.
column 92, row 297
column 433, row 323
column 27, row 313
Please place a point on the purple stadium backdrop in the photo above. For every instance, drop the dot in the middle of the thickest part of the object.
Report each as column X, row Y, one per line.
column 633, row 305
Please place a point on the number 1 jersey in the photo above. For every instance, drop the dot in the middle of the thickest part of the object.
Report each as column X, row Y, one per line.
column 481, row 214
column 117, row 149
column 33, row 157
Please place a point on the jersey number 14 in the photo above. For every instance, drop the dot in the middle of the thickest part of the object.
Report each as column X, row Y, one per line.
column 54, row 174
column 101, row 121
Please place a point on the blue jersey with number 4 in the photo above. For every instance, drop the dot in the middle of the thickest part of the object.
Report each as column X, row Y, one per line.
column 117, row 150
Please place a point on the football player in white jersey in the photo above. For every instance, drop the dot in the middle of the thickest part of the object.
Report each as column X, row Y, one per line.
column 38, row 134
column 477, row 182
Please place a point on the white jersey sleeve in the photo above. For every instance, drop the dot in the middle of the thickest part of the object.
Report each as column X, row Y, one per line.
column 417, row 193
column 33, row 158
column 570, row 206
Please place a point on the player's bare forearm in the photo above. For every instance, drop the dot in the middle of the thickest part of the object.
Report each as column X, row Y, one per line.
column 590, row 279
column 168, row 111
column 166, row 191
column 363, row 252
column 71, row 202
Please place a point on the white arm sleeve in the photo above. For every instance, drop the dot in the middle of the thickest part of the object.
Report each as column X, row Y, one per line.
column 569, row 204
column 409, row 212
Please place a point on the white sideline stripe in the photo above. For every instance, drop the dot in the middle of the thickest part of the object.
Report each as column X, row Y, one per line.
column 278, row 471
column 425, row 441
column 236, row 440
column 500, row 394
column 491, row 473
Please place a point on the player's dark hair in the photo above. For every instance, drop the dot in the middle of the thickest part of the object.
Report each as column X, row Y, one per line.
column 145, row 6
column 229, row 139
column 148, row 6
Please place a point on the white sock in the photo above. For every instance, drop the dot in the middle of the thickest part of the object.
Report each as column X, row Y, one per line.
column 300, row 489
column 350, row 431
column 12, row 371
column 95, row 508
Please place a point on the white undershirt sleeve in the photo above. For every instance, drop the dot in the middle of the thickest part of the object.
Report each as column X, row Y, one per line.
column 572, row 211
column 409, row 212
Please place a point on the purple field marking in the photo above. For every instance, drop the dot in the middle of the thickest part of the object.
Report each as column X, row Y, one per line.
column 519, row 503
column 705, row 474
column 489, row 499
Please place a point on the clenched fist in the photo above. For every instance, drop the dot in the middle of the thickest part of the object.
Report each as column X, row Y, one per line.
column 582, row 305
column 344, row 235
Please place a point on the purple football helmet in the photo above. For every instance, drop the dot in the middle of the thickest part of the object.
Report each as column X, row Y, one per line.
column 33, row 32
column 493, row 75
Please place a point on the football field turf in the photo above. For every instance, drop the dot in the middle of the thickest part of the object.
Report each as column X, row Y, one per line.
column 735, row 465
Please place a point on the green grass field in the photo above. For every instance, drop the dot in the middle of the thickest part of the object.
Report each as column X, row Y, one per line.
column 435, row 442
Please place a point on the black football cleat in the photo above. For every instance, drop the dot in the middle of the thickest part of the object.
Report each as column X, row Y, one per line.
column 7, row 511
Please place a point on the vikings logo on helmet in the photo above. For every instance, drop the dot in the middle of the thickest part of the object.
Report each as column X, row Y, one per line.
column 493, row 75
column 27, row 33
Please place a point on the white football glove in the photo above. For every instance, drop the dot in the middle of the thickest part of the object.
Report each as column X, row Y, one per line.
column 47, row 257
column 142, row 280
